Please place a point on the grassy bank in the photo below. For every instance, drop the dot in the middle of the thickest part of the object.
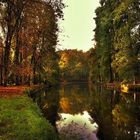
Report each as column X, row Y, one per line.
column 21, row 119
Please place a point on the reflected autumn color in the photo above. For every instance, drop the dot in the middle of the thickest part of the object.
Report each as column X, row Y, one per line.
column 65, row 104
column 120, row 118
column 74, row 99
column 69, row 106
column 117, row 114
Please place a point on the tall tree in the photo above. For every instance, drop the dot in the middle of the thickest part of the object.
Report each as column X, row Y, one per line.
column 103, row 34
column 30, row 33
column 11, row 12
column 117, row 40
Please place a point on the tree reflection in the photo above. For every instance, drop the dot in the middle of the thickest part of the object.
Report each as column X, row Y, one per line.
column 48, row 101
column 116, row 113
column 74, row 99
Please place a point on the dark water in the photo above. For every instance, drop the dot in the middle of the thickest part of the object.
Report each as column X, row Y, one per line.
column 88, row 112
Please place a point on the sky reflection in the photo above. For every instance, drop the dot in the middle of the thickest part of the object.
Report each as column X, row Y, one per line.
column 78, row 126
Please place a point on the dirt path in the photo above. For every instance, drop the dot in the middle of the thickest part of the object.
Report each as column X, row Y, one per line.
column 12, row 91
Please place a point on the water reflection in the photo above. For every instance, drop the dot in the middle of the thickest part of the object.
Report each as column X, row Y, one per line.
column 49, row 103
column 117, row 114
column 74, row 98
column 76, row 127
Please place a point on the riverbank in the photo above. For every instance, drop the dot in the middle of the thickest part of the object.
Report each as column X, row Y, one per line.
column 123, row 87
column 21, row 118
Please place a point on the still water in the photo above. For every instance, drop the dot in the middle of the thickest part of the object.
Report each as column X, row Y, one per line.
column 89, row 112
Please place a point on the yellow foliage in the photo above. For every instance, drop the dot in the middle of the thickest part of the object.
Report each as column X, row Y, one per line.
column 124, row 88
column 63, row 60
column 119, row 117
column 79, row 65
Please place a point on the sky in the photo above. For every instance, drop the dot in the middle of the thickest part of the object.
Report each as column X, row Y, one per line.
column 78, row 24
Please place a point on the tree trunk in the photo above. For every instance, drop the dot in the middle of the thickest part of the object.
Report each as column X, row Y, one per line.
column 10, row 31
column 17, row 79
column 33, row 62
column 6, row 58
column 1, row 77
column 110, row 70
column 1, row 71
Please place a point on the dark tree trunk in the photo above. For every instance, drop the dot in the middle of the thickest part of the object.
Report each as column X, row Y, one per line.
column 10, row 32
column 6, row 57
column 13, row 20
column 33, row 62
column 1, row 76
column 17, row 78
column 29, row 79
column 1, row 70
column 110, row 70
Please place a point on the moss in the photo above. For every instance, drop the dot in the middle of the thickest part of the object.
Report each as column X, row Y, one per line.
column 21, row 119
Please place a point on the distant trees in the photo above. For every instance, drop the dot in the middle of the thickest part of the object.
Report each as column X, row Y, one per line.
column 117, row 37
column 73, row 65
column 28, row 39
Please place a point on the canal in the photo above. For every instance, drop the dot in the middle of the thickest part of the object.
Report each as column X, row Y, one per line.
column 89, row 112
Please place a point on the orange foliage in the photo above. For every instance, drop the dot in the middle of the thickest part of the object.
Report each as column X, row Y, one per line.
column 8, row 92
column 65, row 104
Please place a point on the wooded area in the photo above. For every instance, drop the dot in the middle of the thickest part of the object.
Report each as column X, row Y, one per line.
column 116, row 56
column 30, row 63
column 28, row 39
column 73, row 66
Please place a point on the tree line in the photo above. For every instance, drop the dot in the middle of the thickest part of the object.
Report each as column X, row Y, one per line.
column 116, row 56
column 73, row 65
column 28, row 37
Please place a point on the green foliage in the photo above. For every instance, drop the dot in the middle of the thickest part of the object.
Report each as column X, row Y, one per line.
column 93, row 66
column 103, row 50
column 117, row 36
column 21, row 119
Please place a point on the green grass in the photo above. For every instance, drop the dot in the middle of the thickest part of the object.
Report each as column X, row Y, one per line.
column 21, row 119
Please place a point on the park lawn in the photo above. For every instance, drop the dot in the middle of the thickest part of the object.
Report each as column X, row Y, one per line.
column 21, row 119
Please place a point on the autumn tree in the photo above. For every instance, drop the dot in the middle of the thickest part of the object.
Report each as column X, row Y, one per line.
column 30, row 35
column 73, row 65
